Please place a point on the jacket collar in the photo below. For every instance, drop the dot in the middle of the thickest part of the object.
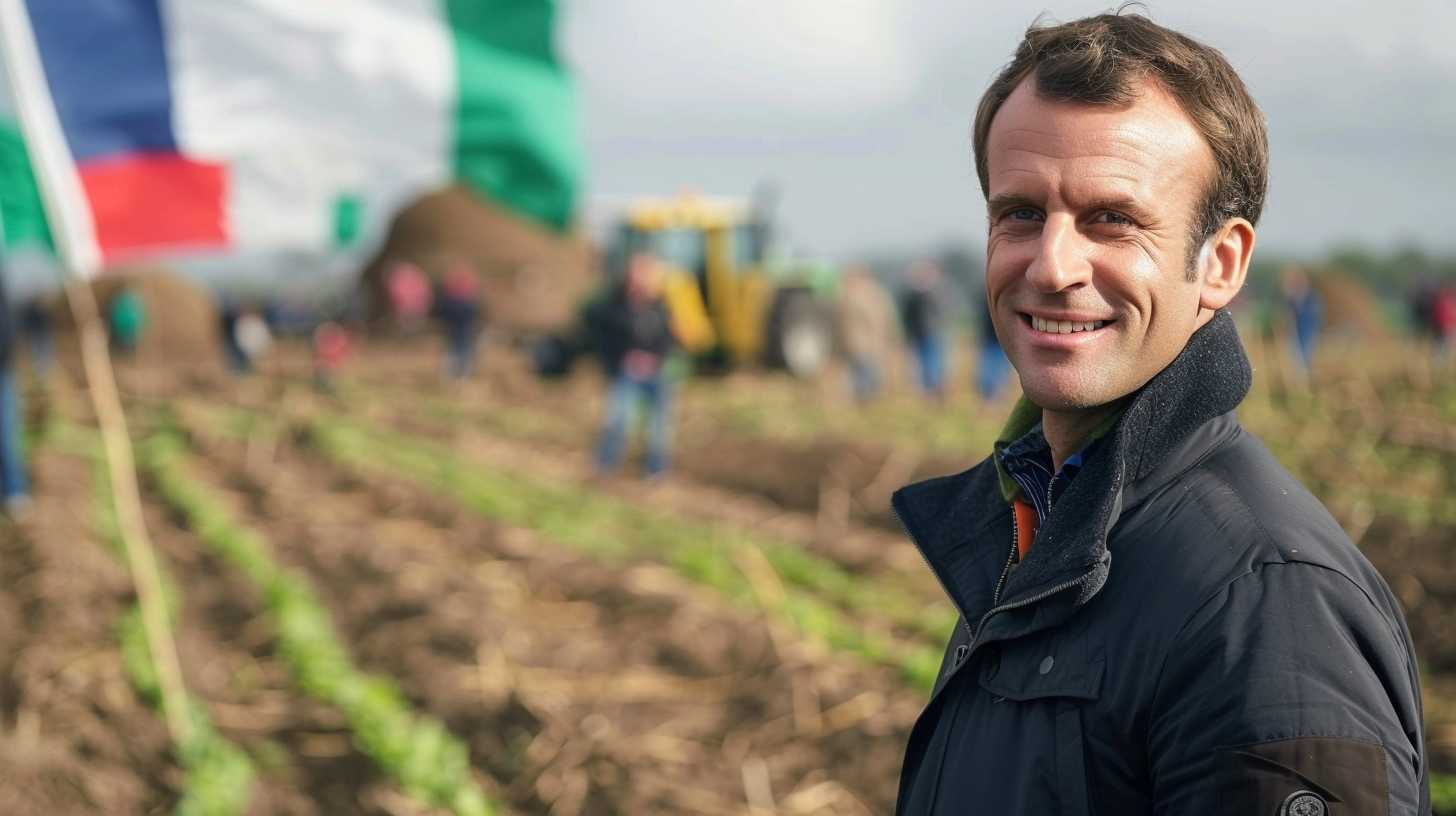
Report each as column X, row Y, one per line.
column 956, row 521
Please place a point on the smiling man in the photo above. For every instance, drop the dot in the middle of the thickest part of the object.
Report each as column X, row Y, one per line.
column 1155, row 616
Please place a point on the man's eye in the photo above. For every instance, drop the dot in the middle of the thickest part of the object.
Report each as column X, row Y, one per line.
column 1023, row 214
column 1111, row 217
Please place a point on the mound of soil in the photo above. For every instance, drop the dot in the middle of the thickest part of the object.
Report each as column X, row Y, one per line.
column 181, row 329
column 531, row 278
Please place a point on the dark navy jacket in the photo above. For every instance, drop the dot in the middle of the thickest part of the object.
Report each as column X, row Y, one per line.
column 1191, row 632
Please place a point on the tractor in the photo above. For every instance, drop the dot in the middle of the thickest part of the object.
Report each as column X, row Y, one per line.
column 732, row 302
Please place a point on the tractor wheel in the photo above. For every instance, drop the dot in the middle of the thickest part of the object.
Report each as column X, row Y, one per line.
column 800, row 338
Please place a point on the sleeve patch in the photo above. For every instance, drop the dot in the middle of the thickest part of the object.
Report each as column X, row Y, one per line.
column 1308, row 776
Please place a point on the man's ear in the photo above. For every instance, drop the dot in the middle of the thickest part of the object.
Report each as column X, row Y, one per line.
column 1223, row 264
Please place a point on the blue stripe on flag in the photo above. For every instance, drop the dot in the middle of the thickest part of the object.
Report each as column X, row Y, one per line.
column 106, row 64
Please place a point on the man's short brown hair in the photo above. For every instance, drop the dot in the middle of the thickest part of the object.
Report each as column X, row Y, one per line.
column 1100, row 60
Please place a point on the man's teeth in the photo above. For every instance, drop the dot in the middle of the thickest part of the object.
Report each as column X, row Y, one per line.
column 1064, row 326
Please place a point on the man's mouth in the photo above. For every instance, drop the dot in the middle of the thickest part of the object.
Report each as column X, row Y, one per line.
column 1042, row 324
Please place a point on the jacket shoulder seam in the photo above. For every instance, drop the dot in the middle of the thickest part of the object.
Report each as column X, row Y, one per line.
column 1283, row 557
column 1256, row 570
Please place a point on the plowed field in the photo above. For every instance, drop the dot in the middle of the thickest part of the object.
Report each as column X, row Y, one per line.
column 750, row 634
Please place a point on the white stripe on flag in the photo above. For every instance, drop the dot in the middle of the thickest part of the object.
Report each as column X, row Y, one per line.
column 308, row 102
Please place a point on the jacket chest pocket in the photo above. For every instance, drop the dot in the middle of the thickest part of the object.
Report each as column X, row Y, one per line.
column 1057, row 677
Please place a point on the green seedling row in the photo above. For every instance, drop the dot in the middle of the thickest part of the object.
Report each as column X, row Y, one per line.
column 632, row 529
column 430, row 764
column 611, row 528
column 219, row 774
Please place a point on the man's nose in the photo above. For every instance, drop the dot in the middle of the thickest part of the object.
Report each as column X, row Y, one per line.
column 1061, row 259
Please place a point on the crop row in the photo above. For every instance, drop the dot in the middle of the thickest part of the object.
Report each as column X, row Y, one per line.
column 648, row 531
column 430, row 764
column 785, row 581
column 218, row 774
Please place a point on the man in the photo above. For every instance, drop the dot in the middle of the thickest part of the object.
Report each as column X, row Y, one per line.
column 1156, row 618
column 921, row 312
column 126, row 318
column 632, row 331
column 992, row 367
column 458, row 308
column 14, row 480
column 867, row 329
column 1306, row 316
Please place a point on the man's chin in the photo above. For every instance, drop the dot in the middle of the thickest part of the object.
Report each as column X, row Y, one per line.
column 1068, row 397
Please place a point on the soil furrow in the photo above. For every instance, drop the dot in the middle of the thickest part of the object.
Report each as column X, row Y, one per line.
column 76, row 738
column 587, row 688
column 305, row 760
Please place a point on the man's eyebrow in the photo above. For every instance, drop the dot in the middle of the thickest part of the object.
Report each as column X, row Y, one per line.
column 1002, row 202
column 1123, row 204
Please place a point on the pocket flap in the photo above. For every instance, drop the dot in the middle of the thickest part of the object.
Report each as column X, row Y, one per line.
column 1033, row 668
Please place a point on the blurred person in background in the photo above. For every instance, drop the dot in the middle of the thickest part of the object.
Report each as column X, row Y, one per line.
column 410, row 295
column 245, row 334
column 923, row 314
column 228, row 313
column 631, row 330
column 331, row 348
column 126, row 319
column 14, row 482
column 1306, row 316
column 1443, row 320
column 459, row 310
column 868, row 327
column 1155, row 617
column 1422, row 296
column 992, row 367
column 252, row 335
column 35, row 326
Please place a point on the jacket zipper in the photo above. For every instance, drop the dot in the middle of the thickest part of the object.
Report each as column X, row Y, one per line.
column 1010, row 559
column 975, row 633
column 1001, row 583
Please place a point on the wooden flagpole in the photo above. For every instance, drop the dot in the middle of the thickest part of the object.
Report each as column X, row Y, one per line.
column 76, row 243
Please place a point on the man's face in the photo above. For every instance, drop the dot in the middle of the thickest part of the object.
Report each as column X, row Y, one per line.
column 644, row 277
column 1091, row 210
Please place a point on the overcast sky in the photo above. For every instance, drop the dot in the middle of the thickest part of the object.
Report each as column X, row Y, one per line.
column 860, row 109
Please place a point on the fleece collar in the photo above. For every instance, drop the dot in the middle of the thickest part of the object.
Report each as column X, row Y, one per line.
column 959, row 522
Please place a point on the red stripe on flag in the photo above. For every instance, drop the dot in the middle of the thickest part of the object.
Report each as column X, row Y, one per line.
column 155, row 202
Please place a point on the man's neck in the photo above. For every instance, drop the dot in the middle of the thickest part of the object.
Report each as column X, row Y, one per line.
column 1069, row 431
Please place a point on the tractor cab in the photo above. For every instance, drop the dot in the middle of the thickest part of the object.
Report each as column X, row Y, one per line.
column 731, row 304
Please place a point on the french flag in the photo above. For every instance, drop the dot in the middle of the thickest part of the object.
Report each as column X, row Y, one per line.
column 106, row 69
column 203, row 130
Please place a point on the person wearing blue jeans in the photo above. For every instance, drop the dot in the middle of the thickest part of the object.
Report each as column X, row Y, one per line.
column 632, row 332
column 920, row 310
column 992, row 367
column 459, row 309
column 13, row 478
column 14, row 484
column 1306, row 313
column 626, row 395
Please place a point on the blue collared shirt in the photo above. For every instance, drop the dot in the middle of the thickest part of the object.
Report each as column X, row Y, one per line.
column 1028, row 461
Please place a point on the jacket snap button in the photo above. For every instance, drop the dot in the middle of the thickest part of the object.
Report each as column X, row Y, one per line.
column 1046, row 664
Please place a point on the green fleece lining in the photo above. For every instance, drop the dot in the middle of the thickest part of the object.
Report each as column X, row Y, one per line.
column 1025, row 416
